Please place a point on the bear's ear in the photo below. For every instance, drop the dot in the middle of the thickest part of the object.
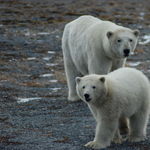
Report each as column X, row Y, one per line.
column 77, row 79
column 102, row 79
column 136, row 32
column 109, row 34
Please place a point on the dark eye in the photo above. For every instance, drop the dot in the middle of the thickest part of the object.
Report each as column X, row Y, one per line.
column 131, row 40
column 93, row 87
column 119, row 41
column 83, row 87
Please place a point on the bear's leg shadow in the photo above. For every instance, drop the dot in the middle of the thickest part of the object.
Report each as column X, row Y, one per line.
column 138, row 124
column 123, row 125
column 71, row 73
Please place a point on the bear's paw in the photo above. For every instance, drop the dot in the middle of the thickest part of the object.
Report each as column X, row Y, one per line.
column 135, row 138
column 95, row 145
column 117, row 140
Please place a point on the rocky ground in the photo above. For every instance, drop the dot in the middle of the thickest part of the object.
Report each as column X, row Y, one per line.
column 34, row 111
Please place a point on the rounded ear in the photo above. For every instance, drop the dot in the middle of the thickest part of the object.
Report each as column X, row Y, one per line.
column 136, row 32
column 102, row 79
column 109, row 34
column 77, row 79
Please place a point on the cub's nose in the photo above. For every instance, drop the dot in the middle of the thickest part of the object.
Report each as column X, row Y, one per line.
column 126, row 52
column 87, row 97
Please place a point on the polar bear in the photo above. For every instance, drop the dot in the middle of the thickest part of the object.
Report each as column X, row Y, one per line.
column 93, row 46
column 123, row 92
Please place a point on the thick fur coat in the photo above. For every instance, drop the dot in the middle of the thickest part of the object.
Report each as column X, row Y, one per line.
column 93, row 46
column 122, row 93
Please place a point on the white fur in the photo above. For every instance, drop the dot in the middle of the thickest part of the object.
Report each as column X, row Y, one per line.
column 91, row 45
column 122, row 93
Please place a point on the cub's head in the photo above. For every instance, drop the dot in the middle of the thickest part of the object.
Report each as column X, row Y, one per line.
column 122, row 42
column 91, row 88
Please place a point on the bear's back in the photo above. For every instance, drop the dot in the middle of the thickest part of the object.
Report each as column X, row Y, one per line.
column 129, row 78
column 126, row 74
column 130, row 87
column 83, row 22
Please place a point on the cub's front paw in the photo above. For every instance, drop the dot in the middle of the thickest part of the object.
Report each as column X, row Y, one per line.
column 95, row 145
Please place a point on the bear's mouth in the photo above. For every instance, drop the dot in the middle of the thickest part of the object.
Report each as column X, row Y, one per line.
column 88, row 99
column 126, row 55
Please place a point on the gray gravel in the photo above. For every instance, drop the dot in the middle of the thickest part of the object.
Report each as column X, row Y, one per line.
column 31, row 68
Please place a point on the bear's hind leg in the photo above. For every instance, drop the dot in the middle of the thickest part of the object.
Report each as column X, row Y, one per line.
column 138, row 123
column 71, row 73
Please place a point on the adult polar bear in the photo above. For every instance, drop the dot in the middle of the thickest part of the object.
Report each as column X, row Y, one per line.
column 91, row 45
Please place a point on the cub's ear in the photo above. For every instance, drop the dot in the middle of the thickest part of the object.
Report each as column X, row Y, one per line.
column 102, row 79
column 77, row 79
column 109, row 34
column 136, row 33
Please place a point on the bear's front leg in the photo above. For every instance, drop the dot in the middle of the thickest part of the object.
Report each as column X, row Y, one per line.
column 105, row 132
column 100, row 66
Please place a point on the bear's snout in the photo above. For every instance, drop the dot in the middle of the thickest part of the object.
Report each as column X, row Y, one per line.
column 87, row 97
column 126, row 52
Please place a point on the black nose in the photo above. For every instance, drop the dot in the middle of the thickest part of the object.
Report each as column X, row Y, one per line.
column 126, row 52
column 86, row 96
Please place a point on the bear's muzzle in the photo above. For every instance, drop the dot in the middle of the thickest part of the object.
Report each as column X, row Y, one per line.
column 87, row 97
column 126, row 52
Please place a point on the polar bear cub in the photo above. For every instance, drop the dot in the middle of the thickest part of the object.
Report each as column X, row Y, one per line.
column 122, row 93
column 93, row 46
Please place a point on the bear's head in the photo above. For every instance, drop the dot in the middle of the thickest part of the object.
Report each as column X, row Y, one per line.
column 122, row 42
column 91, row 88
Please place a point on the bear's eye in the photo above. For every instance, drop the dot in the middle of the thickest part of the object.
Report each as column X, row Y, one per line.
column 83, row 87
column 131, row 40
column 93, row 87
column 119, row 41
